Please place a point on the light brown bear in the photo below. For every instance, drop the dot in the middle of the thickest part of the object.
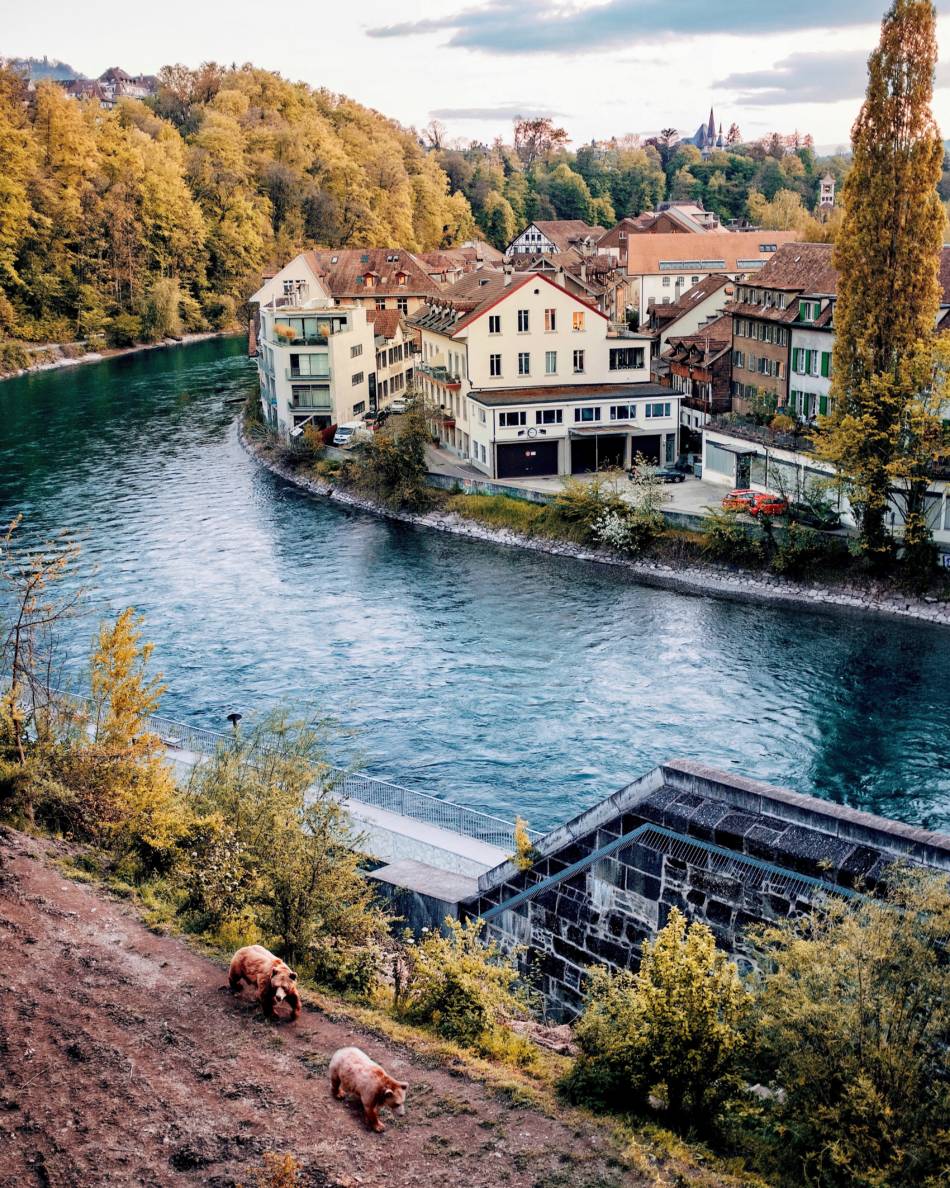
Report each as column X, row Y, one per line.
column 274, row 980
column 352, row 1071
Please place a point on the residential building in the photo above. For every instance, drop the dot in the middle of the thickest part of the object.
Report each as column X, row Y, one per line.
column 374, row 278
column 782, row 316
column 596, row 279
column 698, row 366
column 670, row 218
column 554, row 236
column 662, row 267
column 322, row 362
column 527, row 378
column 697, row 306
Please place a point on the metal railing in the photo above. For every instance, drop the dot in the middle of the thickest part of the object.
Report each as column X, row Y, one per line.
column 353, row 785
column 752, row 872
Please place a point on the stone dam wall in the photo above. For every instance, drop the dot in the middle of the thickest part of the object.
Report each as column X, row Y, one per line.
column 724, row 850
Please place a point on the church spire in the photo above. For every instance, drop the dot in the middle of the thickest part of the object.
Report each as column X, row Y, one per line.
column 712, row 125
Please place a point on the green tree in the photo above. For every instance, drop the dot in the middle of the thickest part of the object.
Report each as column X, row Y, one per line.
column 887, row 255
column 675, row 1027
column 852, row 1029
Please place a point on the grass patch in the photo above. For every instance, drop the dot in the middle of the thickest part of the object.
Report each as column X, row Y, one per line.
column 517, row 515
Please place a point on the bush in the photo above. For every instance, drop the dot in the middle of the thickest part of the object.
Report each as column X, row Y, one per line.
column 801, row 550
column 584, row 503
column 161, row 315
column 500, row 511
column 461, row 988
column 853, row 1023
column 297, row 867
column 393, row 467
column 13, row 357
column 123, row 330
column 220, row 312
column 725, row 539
column 628, row 532
column 674, row 1028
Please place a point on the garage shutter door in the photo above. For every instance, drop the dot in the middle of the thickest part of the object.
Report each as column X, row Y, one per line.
column 527, row 458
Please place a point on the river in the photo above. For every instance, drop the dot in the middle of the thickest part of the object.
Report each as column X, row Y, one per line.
column 503, row 679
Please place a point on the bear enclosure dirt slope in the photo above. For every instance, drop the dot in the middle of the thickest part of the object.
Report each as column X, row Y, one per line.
column 123, row 1060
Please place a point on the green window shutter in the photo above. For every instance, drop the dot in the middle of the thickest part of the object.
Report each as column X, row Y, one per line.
column 823, row 405
column 795, row 351
column 826, row 364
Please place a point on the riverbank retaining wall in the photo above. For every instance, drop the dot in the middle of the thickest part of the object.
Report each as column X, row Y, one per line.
column 725, row 850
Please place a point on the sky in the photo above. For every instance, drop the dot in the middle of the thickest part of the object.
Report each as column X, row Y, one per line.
column 599, row 67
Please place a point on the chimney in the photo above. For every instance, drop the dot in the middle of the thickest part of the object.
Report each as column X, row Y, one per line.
column 507, row 270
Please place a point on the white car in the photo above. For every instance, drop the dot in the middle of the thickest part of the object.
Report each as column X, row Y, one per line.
column 349, row 434
column 397, row 406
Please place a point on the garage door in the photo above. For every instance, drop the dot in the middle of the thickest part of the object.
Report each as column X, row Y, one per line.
column 648, row 446
column 527, row 458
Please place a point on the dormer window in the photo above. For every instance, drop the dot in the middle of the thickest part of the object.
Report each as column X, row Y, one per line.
column 400, row 278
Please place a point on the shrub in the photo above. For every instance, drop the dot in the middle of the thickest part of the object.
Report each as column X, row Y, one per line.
column 500, row 511
column 725, row 539
column 161, row 315
column 627, row 532
column 782, row 423
column 853, row 1022
column 393, row 467
column 220, row 312
column 801, row 550
column 13, row 357
column 525, row 854
column 296, row 853
column 459, row 986
column 673, row 1028
column 123, row 330
column 278, row 1171
column 584, row 503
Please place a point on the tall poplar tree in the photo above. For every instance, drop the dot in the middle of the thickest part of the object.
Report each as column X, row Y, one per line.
column 888, row 259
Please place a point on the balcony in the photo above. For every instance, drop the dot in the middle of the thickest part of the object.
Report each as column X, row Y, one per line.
column 294, row 339
column 294, row 373
column 315, row 404
column 441, row 375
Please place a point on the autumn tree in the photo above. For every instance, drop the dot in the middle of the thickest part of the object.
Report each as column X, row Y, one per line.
column 887, row 255
column 537, row 138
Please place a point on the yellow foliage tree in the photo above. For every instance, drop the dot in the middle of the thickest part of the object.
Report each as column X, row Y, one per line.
column 887, row 254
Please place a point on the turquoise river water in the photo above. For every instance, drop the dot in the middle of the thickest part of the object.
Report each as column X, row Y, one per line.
column 502, row 679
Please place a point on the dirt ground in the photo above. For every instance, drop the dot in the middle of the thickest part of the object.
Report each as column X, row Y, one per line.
column 124, row 1060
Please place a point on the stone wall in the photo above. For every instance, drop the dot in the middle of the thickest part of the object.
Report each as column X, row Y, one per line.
column 728, row 851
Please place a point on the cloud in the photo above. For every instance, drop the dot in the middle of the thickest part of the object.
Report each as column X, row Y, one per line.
column 536, row 26
column 500, row 111
column 808, row 78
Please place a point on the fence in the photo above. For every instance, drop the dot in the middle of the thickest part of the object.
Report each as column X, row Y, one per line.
column 354, row 785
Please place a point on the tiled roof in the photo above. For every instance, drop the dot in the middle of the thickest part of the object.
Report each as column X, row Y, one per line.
column 800, row 267
column 384, row 321
column 712, row 340
column 644, row 252
column 716, row 282
column 559, row 393
column 341, row 270
column 563, row 232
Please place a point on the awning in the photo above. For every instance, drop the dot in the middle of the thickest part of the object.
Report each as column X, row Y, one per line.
column 610, row 430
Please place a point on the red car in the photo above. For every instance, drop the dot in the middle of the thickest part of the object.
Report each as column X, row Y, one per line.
column 755, row 503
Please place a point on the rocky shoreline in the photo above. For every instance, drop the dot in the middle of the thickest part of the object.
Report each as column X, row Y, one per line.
column 62, row 359
column 701, row 580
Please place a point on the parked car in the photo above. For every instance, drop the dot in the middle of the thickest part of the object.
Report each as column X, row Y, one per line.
column 755, row 503
column 349, row 434
column 674, row 472
column 399, row 405
column 815, row 515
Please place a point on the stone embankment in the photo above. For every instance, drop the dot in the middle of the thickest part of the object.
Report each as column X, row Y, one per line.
column 705, row 580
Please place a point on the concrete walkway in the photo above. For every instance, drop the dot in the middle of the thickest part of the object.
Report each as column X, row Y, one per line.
column 392, row 837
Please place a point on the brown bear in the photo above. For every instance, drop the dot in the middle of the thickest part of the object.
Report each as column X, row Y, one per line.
column 275, row 981
column 352, row 1071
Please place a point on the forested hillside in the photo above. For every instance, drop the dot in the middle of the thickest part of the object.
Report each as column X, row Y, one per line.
column 145, row 220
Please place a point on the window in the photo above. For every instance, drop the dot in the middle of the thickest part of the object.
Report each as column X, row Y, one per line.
column 738, row 359
column 494, row 323
column 694, row 280
column 666, row 282
column 356, row 351
column 577, row 320
column 550, row 362
column 658, row 410
column 586, row 414
column 550, row 319
column 481, row 416
column 578, row 362
column 549, row 416
column 380, row 302
column 358, row 378
column 359, row 407
column 494, row 365
column 402, row 304
column 625, row 358
column 522, row 321
column 524, row 363
column 288, row 288
column 623, row 412
column 510, row 419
